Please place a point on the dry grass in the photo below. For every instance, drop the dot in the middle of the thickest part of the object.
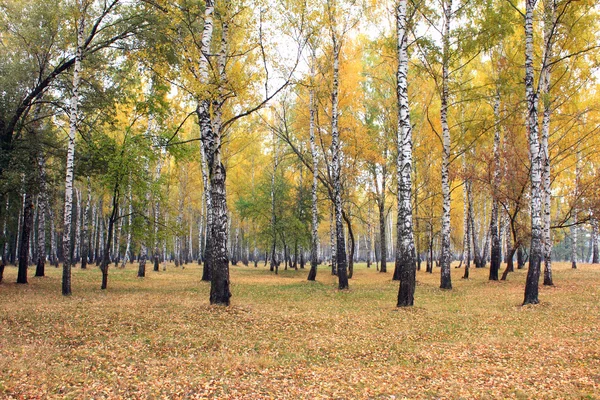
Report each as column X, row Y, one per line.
column 286, row 338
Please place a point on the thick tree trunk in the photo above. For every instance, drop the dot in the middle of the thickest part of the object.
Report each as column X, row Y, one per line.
column 536, row 252
column 405, row 248
column 70, row 169
column 445, row 258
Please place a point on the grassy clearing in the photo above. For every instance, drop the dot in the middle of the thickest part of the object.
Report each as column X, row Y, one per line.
column 284, row 337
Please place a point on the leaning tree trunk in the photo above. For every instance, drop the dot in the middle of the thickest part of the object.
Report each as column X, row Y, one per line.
column 70, row 177
column 495, row 237
column 445, row 258
column 536, row 252
column 336, row 170
column 405, row 248
column 26, row 228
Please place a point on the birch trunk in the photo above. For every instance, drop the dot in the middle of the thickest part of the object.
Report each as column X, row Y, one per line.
column 575, row 227
column 206, row 132
column 536, row 251
column 314, row 242
column 468, row 226
column 336, row 151
column 220, row 293
column 85, row 235
column 549, row 11
column 53, row 244
column 77, row 246
column 156, row 255
column 332, row 242
column 495, row 237
column 69, row 177
column 445, row 257
column 405, row 247
column 42, row 203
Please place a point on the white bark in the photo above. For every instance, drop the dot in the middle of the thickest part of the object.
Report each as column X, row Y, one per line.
column 69, row 178
column 549, row 10
column 536, row 251
column 314, row 243
column 405, row 249
column 445, row 279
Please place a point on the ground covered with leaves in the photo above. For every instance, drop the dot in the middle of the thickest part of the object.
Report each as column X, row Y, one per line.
column 286, row 338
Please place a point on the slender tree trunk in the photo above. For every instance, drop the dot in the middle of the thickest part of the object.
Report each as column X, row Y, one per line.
column 382, row 239
column 549, row 10
column 332, row 242
column 5, row 238
column 445, row 258
column 26, row 228
column 468, row 224
column 127, row 255
column 495, row 237
column 337, row 170
column 594, row 241
column 70, row 177
column 405, row 247
column 575, row 227
column 536, row 252
column 111, row 225
column 314, row 242
column 76, row 247
column 206, row 132
column 85, row 236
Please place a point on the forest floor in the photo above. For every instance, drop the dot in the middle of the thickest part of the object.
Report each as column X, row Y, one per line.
column 286, row 338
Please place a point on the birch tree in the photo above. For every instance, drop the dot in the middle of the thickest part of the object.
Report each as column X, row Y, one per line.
column 405, row 248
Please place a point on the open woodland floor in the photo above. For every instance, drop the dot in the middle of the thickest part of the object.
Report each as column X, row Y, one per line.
column 286, row 338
